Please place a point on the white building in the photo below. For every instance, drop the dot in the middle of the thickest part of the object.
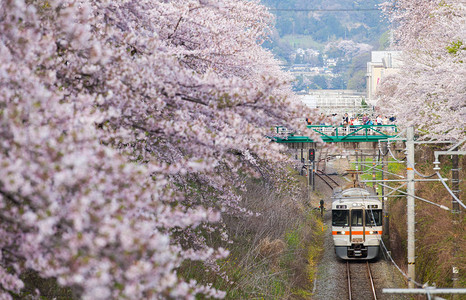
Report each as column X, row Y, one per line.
column 335, row 101
column 382, row 64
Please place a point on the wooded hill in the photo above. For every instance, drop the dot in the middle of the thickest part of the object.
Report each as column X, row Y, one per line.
column 316, row 23
column 360, row 26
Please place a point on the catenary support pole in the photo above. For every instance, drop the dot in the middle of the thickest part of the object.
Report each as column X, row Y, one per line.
column 386, row 219
column 410, row 209
column 357, row 166
column 455, row 187
column 455, row 183
column 374, row 158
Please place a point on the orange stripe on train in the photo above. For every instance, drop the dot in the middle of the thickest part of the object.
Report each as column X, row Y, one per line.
column 355, row 233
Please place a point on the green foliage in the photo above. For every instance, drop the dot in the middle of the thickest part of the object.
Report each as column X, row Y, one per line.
column 301, row 41
column 357, row 72
column 292, row 239
column 455, row 47
column 48, row 288
column 397, row 168
column 319, row 82
column 357, row 81
column 338, row 83
column 384, row 41
column 364, row 103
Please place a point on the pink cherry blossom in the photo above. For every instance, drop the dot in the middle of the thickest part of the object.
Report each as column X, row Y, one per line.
column 429, row 91
column 126, row 127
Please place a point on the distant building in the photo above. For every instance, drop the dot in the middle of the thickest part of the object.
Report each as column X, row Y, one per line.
column 382, row 64
column 331, row 62
column 336, row 101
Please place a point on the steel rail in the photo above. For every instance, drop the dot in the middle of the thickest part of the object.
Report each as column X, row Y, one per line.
column 371, row 280
column 321, row 177
column 349, row 279
column 331, row 179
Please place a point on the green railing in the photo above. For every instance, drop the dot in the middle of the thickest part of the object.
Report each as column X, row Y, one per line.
column 341, row 133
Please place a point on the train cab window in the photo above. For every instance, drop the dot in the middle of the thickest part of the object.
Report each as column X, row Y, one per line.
column 339, row 218
column 356, row 217
column 374, row 217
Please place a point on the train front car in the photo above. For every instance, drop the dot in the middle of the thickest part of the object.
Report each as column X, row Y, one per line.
column 356, row 224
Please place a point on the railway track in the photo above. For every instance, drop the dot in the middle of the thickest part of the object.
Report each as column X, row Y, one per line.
column 327, row 179
column 360, row 281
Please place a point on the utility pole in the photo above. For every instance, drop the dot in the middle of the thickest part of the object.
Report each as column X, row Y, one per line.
column 357, row 167
column 455, row 188
column 374, row 169
column 410, row 208
column 386, row 223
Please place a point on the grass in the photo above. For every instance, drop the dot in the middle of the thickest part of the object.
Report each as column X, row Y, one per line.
column 273, row 255
column 315, row 250
column 393, row 167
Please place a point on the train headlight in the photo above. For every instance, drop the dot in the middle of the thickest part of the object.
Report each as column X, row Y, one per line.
column 371, row 232
column 342, row 232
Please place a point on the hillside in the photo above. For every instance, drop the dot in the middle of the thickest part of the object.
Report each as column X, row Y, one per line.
column 311, row 33
column 361, row 26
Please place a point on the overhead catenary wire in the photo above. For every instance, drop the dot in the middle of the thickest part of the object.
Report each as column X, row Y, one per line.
column 323, row 9
column 418, row 173
column 393, row 156
column 450, row 191
column 381, row 152
column 436, row 173
column 399, row 269
column 377, row 165
column 457, row 145
column 408, row 163
column 422, row 175
column 391, row 259
column 416, row 197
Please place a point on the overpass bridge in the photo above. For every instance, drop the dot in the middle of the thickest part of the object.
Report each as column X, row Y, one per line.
column 340, row 133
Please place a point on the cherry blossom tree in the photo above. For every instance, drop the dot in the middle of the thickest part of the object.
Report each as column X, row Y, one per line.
column 429, row 91
column 349, row 47
column 124, row 127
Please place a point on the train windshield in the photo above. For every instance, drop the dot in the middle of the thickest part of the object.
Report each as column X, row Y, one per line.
column 356, row 217
column 374, row 217
column 339, row 218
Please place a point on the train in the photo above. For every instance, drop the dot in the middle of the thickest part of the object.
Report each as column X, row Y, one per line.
column 356, row 224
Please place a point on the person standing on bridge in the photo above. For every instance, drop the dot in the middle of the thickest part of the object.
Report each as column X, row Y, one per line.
column 379, row 120
column 346, row 122
column 365, row 118
column 334, row 119
column 345, row 119
column 385, row 121
column 356, row 121
column 322, row 119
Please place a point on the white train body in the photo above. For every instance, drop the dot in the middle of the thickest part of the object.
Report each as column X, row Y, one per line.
column 356, row 224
